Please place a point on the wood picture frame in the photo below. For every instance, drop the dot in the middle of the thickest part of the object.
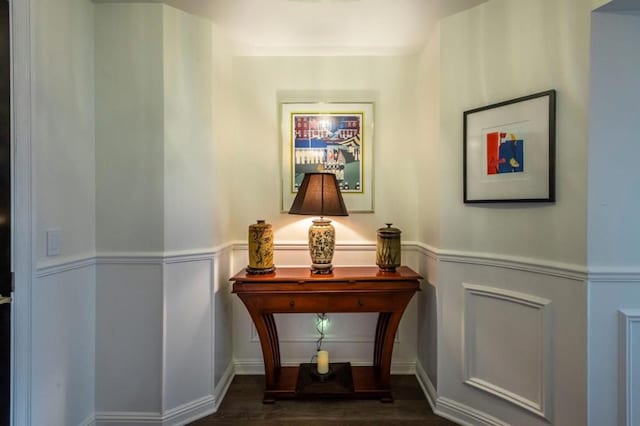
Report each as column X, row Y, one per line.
column 329, row 137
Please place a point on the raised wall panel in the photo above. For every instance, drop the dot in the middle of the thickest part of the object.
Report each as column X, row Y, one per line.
column 629, row 379
column 129, row 337
column 188, row 346
column 506, row 346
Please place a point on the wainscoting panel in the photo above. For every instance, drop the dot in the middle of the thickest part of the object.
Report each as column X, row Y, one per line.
column 188, row 324
column 63, row 351
column 614, row 347
column 507, row 345
column 129, row 336
column 223, row 316
column 512, row 341
column 629, row 322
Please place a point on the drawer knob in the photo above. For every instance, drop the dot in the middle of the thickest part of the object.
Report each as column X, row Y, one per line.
column 360, row 303
column 292, row 303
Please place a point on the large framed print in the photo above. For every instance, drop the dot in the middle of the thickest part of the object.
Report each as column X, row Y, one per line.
column 329, row 137
column 509, row 151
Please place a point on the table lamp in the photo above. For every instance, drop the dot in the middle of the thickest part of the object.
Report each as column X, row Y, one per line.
column 319, row 195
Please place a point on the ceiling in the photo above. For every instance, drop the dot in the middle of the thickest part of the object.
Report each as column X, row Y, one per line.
column 325, row 27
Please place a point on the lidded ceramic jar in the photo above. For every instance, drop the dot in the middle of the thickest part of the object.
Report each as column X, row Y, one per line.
column 260, row 248
column 388, row 253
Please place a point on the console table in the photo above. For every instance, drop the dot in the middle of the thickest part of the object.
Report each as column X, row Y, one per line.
column 347, row 289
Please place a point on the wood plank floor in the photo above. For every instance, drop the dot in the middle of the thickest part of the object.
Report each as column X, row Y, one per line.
column 243, row 406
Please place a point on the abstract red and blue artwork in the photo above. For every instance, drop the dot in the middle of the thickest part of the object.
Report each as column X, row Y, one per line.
column 505, row 153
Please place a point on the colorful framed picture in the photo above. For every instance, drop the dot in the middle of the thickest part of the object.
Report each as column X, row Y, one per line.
column 334, row 138
column 509, row 151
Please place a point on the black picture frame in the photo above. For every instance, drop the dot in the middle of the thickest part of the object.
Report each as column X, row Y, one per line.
column 509, row 151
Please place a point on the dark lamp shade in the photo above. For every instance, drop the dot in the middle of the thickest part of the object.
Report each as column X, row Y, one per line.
column 319, row 195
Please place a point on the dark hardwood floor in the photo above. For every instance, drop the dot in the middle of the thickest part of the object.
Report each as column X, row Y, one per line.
column 243, row 406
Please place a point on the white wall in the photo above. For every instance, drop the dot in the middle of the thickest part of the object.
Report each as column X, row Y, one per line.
column 189, row 197
column 63, row 125
column 427, row 153
column 509, row 279
column 129, row 127
column 63, row 310
column 157, row 202
column 612, row 222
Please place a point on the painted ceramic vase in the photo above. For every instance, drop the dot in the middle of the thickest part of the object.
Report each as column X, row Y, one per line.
column 388, row 253
column 322, row 242
column 260, row 248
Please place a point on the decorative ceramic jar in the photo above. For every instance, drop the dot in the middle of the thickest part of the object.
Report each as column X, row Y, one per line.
column 322, row 241
column 260, row 248
column 388, row 251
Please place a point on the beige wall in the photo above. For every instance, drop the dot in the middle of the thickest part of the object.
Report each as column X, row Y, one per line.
column 129, row 127
column 498, row 51
column 189, row 196
column 262, row 82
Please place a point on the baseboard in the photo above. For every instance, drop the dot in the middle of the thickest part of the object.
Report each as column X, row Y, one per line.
column 223, row 386
column 245, row 367
column 128, row 418
column 427, row 387
column 190, row 411
column 90, row 420
column 450, row 409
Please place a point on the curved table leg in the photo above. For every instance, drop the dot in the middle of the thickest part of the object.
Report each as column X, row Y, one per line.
column 383, row 348
column 268, row 334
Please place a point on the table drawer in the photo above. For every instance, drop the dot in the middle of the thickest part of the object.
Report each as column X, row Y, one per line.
column 283, row 303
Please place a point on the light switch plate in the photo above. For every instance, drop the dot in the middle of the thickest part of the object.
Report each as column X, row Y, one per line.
column 54, row 242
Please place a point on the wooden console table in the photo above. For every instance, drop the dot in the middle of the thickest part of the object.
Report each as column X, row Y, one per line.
column 347, row 289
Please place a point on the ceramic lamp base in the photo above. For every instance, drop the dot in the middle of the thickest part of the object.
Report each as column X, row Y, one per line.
column 321, row 269
column 322, row 242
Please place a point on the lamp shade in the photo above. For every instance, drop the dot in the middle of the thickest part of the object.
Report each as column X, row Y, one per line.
column 319, row 195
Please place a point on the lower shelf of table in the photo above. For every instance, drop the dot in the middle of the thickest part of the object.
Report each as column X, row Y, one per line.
column 366, row 385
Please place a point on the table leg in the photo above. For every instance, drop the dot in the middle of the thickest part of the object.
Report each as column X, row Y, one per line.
column 383, row 347
column 268, row 334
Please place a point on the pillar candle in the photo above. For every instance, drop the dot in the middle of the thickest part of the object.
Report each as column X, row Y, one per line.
column 323, row 362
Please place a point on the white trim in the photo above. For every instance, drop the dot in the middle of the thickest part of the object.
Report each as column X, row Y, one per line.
column 465, row 415
column 626, row 320
column 614, row 275
column 67, row 264
column 537, row 266
column 533, row 265
column 256, row 365
column 222, row 388
column 427, row 386
column 180, row 415
column 90, row 420
column 450, row 409
column 22, row 214
column 129, row 417
column 190, row 411
column 541, row 407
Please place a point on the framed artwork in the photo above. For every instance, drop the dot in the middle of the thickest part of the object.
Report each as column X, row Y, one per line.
column 509, row 151
column 329, row 137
